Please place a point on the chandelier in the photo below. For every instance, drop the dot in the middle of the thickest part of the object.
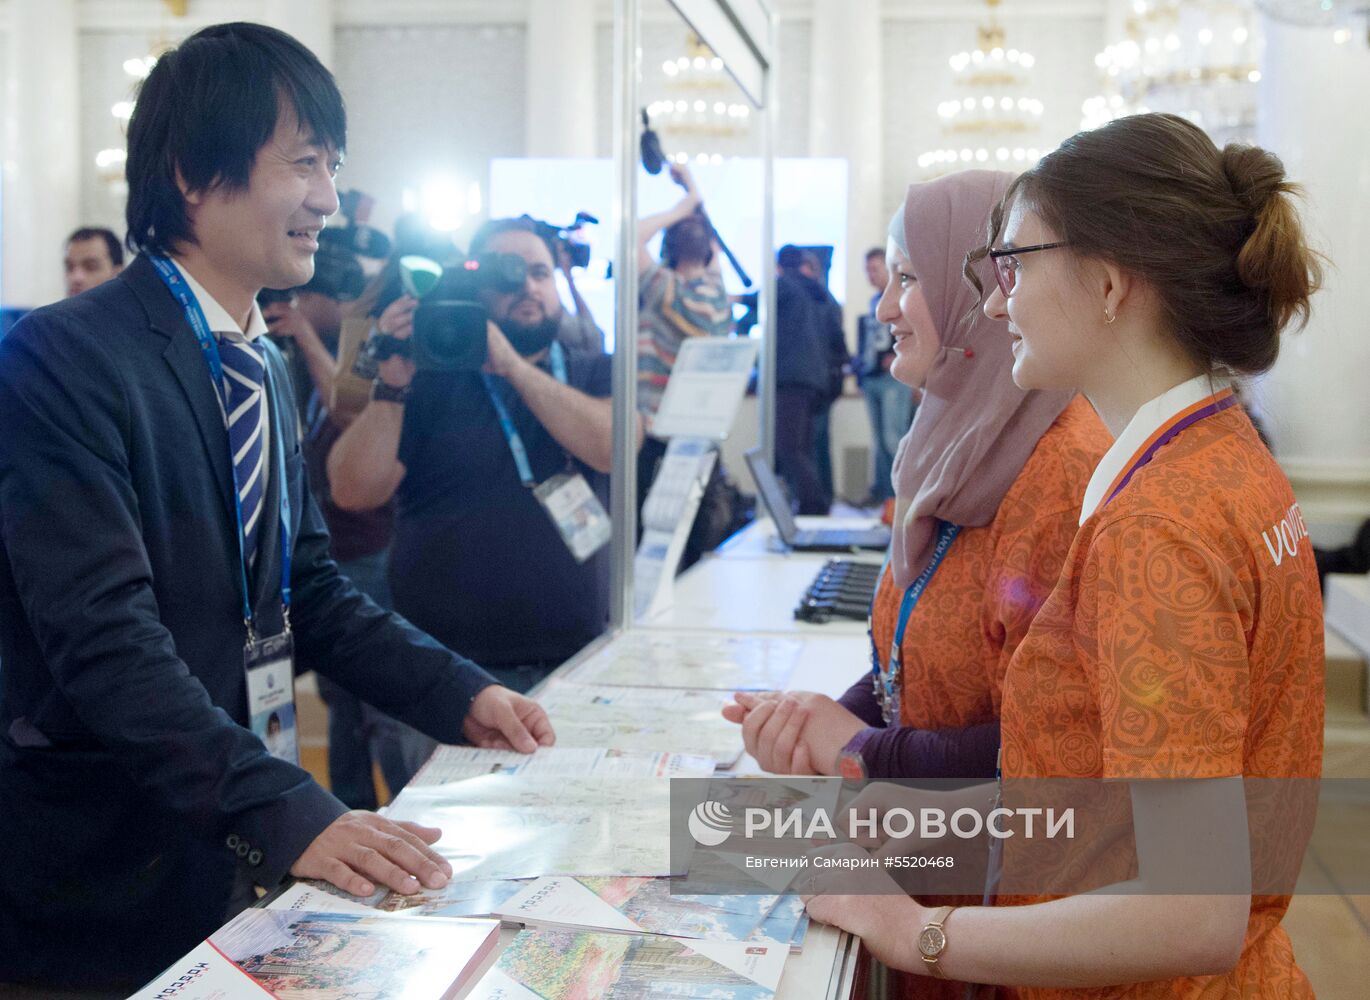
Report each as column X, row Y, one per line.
column 699, row 117
column 995, row 120
column 1199, row 59
column 109, row 163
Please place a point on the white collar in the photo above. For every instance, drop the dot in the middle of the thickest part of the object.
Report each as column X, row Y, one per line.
column 219, row 319
column 1148, row 419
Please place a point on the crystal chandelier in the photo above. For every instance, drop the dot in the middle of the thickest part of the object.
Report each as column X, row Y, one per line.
column 1198, row 59
column 700, row 117
column 995, row 120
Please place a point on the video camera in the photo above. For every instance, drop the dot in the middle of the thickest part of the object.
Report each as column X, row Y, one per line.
column 449, row 324
column 564, row 237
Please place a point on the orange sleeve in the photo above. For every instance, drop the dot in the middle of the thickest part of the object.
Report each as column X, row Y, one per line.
column 1160, row 622
column 1027, row 563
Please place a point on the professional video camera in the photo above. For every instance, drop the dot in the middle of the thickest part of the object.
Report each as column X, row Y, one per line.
column 564, row 237
column 449, row 324
column 338, row 271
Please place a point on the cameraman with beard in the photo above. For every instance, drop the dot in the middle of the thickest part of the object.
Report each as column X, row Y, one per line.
column 477, row 559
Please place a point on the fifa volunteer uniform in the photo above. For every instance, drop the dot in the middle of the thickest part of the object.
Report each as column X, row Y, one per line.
column 1183, row 640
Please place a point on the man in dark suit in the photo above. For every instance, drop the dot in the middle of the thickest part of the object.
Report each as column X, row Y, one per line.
column 149, row 463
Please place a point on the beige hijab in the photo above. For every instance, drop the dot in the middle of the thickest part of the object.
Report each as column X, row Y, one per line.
column 974, row 429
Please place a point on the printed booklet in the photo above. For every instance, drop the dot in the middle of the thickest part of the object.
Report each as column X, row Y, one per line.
column 319, row 955
column 546, row 964
column 647, row 906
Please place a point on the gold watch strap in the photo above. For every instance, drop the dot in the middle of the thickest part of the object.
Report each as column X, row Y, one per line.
column 939, row 919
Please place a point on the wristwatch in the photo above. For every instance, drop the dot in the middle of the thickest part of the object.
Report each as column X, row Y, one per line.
column 851, row 759
column 387, row 393
column 932, row 941
column 851, row 762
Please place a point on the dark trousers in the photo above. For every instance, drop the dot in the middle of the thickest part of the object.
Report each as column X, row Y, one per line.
column 822, row 449
column 795, row 409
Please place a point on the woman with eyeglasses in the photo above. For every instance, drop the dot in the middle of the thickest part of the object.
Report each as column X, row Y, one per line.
column 1179, row 657
column 988, row 481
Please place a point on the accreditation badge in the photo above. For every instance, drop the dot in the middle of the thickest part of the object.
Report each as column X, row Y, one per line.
column 581, row 519
column 270, row 667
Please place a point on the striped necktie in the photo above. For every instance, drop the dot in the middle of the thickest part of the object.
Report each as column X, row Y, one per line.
column 243, row 377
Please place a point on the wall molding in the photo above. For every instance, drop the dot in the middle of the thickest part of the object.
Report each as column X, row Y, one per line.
column 1334, row 494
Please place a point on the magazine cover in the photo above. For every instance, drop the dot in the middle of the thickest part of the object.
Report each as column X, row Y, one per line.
column 646, row 905
column 299, row 955
column 546, row 964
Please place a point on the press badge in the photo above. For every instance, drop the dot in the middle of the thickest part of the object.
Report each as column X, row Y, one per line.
column 579, row 516
column 270, row 665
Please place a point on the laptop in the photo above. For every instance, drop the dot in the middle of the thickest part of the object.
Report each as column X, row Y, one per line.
column 817, row 540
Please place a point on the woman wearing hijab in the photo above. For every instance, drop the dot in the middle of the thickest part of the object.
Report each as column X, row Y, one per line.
column 988, row 482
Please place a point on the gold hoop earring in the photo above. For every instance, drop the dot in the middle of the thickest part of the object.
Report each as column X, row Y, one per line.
column 1109, row 317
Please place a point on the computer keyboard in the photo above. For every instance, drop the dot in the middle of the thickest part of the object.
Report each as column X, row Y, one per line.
column 843, row 588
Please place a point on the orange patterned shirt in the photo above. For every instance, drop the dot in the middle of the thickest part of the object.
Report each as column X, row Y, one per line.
column 1183, row 640
column 980, row 602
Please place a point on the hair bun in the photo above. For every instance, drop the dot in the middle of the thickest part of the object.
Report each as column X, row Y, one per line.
column 1274, row 261
column 1254, row 174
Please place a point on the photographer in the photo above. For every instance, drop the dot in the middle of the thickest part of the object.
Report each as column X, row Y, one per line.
column 476, row 556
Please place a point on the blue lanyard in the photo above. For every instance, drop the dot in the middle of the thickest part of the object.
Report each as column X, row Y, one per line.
column 506, row 422
column 886, row 681
column 209, row 349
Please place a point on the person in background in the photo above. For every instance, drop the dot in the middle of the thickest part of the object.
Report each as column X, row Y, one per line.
column 838, row 364
column 802, row 379
column 889, row 402
column 578, row 330
column 1179, row 658
column 681, row 296
column 93, row 255
column 477, row 559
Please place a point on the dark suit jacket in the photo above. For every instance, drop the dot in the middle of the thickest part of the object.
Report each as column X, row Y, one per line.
column 131, row 795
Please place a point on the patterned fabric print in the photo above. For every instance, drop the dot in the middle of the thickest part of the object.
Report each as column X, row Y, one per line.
column 981, row 601
column 669, row 311
column 1184, row 639
column 983, row 597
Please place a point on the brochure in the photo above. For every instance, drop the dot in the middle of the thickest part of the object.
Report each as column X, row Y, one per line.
column 643, row 719
column 455, row 899
column 692, row 660
column 317, row 955
column 510, row 826
column 545, row 964
column 647, row 905
column 453, row 763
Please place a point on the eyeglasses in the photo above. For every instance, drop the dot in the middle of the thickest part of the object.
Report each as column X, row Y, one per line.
column 1006, row 263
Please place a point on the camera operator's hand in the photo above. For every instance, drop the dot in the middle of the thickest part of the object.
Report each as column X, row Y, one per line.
column 398, row 321
column 500, row 357
column 680, row 173
column 285, row 319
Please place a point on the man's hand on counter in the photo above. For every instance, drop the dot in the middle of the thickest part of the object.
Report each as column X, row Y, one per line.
column 360, row 850
column 500, row 719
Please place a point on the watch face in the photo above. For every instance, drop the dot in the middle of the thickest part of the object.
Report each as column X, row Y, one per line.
column 932, row 941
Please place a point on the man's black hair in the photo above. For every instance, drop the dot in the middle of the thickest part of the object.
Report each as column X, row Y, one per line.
column 875, row 252
column 206, row 108
column 116, row 250
column 485, row 235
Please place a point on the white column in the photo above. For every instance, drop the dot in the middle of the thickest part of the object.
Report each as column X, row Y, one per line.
column 42, row 155
column 559, row 95
column 845, row 100
column 1315, row 398
column 311, row 21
